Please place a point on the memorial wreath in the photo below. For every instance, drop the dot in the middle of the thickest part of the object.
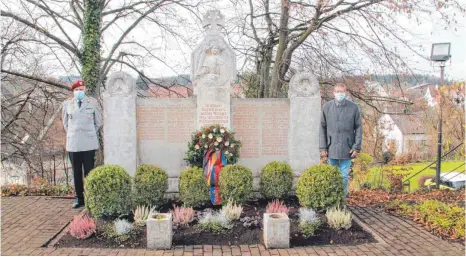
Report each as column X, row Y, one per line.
column 211, row 148
column 212, row 138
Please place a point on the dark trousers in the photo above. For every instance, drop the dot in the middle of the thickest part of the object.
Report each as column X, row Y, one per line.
column 78, row 161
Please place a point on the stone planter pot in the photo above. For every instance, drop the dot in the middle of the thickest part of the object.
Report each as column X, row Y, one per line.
column 159, row 231
column 276, row 230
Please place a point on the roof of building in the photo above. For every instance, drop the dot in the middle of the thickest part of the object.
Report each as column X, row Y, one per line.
column 409, row 123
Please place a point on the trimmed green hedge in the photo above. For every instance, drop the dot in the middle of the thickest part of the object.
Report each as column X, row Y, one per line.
column 320, row 187
column 193, row 187
column 235, row 183
column 150, row 185
column 107, row 191
column 276, row 180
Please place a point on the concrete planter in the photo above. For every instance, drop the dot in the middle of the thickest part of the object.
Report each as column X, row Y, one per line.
column 159, row 231
column 276, row 230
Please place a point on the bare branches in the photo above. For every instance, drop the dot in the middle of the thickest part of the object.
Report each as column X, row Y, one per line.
column 38, row 79
column 43, row 31
column 127, row 31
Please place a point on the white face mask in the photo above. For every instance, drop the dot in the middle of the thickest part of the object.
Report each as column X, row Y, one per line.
column 339, row 96
column 79, row 94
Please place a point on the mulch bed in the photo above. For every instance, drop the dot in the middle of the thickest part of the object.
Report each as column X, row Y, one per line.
column 238, row 235
column 369, row 197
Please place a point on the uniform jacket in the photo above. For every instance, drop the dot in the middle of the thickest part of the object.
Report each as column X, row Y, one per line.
column 340, row 129
column 81, row 124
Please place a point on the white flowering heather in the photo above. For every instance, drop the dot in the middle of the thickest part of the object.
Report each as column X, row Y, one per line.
column 122, row 227
column 339, row 218
column 309, row 221
column 214, row 219
column 232, row 211
column 141, row 213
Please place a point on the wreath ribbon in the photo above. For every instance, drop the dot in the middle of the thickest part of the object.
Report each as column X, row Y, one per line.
column 213, row 163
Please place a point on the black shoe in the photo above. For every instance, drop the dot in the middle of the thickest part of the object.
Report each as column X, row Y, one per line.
column 78, row 203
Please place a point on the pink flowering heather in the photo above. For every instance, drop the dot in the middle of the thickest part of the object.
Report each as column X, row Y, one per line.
column 82, row 227
column 182, row 216
column 277, row 207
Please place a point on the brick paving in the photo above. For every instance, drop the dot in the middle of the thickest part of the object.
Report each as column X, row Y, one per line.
column 30, row 222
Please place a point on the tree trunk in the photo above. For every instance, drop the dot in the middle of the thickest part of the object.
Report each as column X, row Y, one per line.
column 91, row 51
column 282, row 45
column 264, row 71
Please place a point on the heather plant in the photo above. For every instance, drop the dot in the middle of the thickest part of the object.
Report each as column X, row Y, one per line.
column 215, row 222
column 309, row 221
column 182, row 216
column 82, row 227
column 338, row 218
column 277, row 206
column 141, row 213
column 232, row 211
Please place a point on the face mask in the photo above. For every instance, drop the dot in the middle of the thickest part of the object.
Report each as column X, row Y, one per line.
column 339, row 96
column 79, row 94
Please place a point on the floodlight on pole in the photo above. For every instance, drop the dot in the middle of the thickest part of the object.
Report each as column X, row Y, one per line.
column 440, row 53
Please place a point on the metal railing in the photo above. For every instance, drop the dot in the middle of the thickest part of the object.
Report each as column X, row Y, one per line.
column 407, row 180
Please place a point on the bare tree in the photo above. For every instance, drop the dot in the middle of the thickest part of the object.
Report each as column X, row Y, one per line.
column 333, row 38
column 90, row 37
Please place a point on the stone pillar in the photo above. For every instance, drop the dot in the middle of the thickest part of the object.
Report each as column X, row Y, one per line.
column 305, row 108
column 120, row 132
column 213, row 69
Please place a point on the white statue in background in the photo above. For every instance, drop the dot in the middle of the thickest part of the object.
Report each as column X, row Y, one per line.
column 208, row 72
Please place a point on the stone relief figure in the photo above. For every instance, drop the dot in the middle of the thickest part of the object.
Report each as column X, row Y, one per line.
column 209, row 67
column 304, row 84
column 120, row 84
column 212, row 61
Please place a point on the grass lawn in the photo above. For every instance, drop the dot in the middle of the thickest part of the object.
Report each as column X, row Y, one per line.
column 374, row 176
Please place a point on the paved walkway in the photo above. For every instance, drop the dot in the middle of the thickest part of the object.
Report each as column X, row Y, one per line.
column 30, row 222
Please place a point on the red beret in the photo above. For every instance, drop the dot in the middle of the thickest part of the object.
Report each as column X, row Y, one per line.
column 76, row 84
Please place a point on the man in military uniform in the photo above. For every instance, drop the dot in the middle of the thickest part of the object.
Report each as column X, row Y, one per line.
column 82, row 119
column 340, row 135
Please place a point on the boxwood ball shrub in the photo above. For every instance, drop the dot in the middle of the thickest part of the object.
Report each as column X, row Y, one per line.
column 150, row 185
column 276, row 180
column 320, row 187
column 193, row 187
column 107, row 191
column 235, row 183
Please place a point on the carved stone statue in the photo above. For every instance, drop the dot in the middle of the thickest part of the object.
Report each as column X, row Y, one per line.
column 213, row 61
column 208, row 72
column 304, row 84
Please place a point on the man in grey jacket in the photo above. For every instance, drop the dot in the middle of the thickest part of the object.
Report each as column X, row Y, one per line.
column 340, row 132
column 82, row 119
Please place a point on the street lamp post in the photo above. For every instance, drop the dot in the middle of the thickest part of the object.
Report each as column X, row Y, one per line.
column 440, row 54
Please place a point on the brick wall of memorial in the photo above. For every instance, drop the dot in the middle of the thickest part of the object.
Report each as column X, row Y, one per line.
column 262, row 126
column 164, row 128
